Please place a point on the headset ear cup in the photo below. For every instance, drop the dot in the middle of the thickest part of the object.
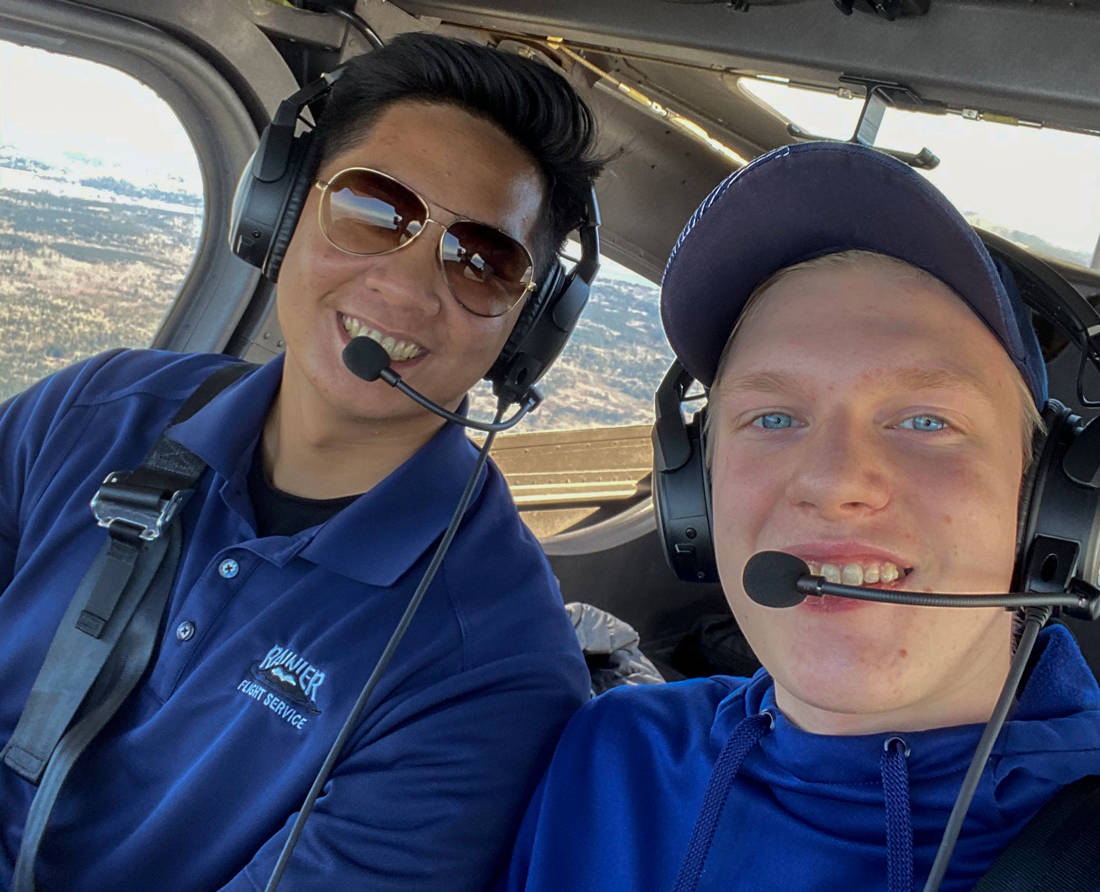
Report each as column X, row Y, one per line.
column 681, row 483
column 277, row 180
column 301, row 170
column 1024, row 519
column 501, row 369
column 1052, row 507
column 552, row 312
column 682, row 499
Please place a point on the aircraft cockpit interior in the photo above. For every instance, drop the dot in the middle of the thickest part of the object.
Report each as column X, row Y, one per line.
column 995, row 101
column 133, row 214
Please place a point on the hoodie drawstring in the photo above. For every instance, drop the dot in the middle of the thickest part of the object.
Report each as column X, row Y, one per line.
column 899, row 818
column 744, row 737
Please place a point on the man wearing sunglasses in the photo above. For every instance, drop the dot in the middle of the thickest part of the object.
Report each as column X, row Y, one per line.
column 441, row 181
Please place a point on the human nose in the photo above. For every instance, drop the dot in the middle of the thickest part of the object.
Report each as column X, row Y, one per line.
column 840, row 472
column 412, row 275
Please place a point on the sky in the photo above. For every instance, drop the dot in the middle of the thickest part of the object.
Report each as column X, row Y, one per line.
column 51, row 104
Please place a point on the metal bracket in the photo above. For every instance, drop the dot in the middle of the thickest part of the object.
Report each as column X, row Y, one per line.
column 147, row 509
column 886, row 9
column 880, row 95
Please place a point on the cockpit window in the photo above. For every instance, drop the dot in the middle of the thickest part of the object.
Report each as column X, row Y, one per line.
column 1033, row 185
column 611, row 365
column 101, row 210
column 585, row 453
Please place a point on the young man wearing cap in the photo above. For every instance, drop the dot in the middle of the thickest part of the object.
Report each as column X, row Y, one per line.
column 320, row 508
column 874, row 390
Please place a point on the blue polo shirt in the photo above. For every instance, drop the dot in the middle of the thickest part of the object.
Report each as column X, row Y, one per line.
column 267, row 643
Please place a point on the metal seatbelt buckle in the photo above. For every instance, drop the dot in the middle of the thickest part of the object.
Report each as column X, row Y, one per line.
column 147, row 509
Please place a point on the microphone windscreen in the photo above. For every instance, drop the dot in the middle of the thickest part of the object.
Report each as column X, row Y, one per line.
column 365, row 358
column 771, row 578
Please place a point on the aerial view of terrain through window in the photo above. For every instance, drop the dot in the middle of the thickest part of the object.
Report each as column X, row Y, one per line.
column 100, row 212
column 87, row 263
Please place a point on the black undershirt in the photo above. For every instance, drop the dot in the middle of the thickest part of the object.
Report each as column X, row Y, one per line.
column 279, row 513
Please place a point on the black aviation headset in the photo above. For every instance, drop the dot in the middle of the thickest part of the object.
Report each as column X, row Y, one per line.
column 273, row 189
column 1058, row 530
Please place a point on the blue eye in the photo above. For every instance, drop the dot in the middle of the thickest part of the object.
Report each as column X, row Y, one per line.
column 931, row 423
column 774, row 421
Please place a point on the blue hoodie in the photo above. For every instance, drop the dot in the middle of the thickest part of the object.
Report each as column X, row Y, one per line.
column 633, row 799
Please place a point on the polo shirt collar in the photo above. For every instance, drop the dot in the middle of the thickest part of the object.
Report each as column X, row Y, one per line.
column 378, row 537
column 224, row 432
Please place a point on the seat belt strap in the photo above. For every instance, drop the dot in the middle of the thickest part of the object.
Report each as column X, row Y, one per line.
column 120, row 674
column 118, row 566
column 109, row 631
column 135, row 507
column 1059, row 848
column 74, row 660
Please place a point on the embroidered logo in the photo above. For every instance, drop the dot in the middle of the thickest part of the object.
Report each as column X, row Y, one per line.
column 286, row 683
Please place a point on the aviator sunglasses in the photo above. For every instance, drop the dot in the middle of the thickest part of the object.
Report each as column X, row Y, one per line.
column 367, row 212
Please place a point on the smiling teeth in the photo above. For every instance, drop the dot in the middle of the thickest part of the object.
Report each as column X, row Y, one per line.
column 857, row 574
column 397, row 350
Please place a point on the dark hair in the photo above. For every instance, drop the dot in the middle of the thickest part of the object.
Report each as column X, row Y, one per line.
column 529, row 101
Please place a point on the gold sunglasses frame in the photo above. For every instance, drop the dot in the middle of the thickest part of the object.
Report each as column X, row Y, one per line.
column 324, row 185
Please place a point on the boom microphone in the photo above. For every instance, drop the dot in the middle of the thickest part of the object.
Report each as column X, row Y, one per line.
column 771, row 578
column 778, row 579
column 367, row 359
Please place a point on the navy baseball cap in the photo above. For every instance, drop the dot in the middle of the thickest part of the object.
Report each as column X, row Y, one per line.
column 807, row 200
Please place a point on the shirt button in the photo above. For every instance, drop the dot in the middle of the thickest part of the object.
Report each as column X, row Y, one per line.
column 229, row 568
column 185, row 630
